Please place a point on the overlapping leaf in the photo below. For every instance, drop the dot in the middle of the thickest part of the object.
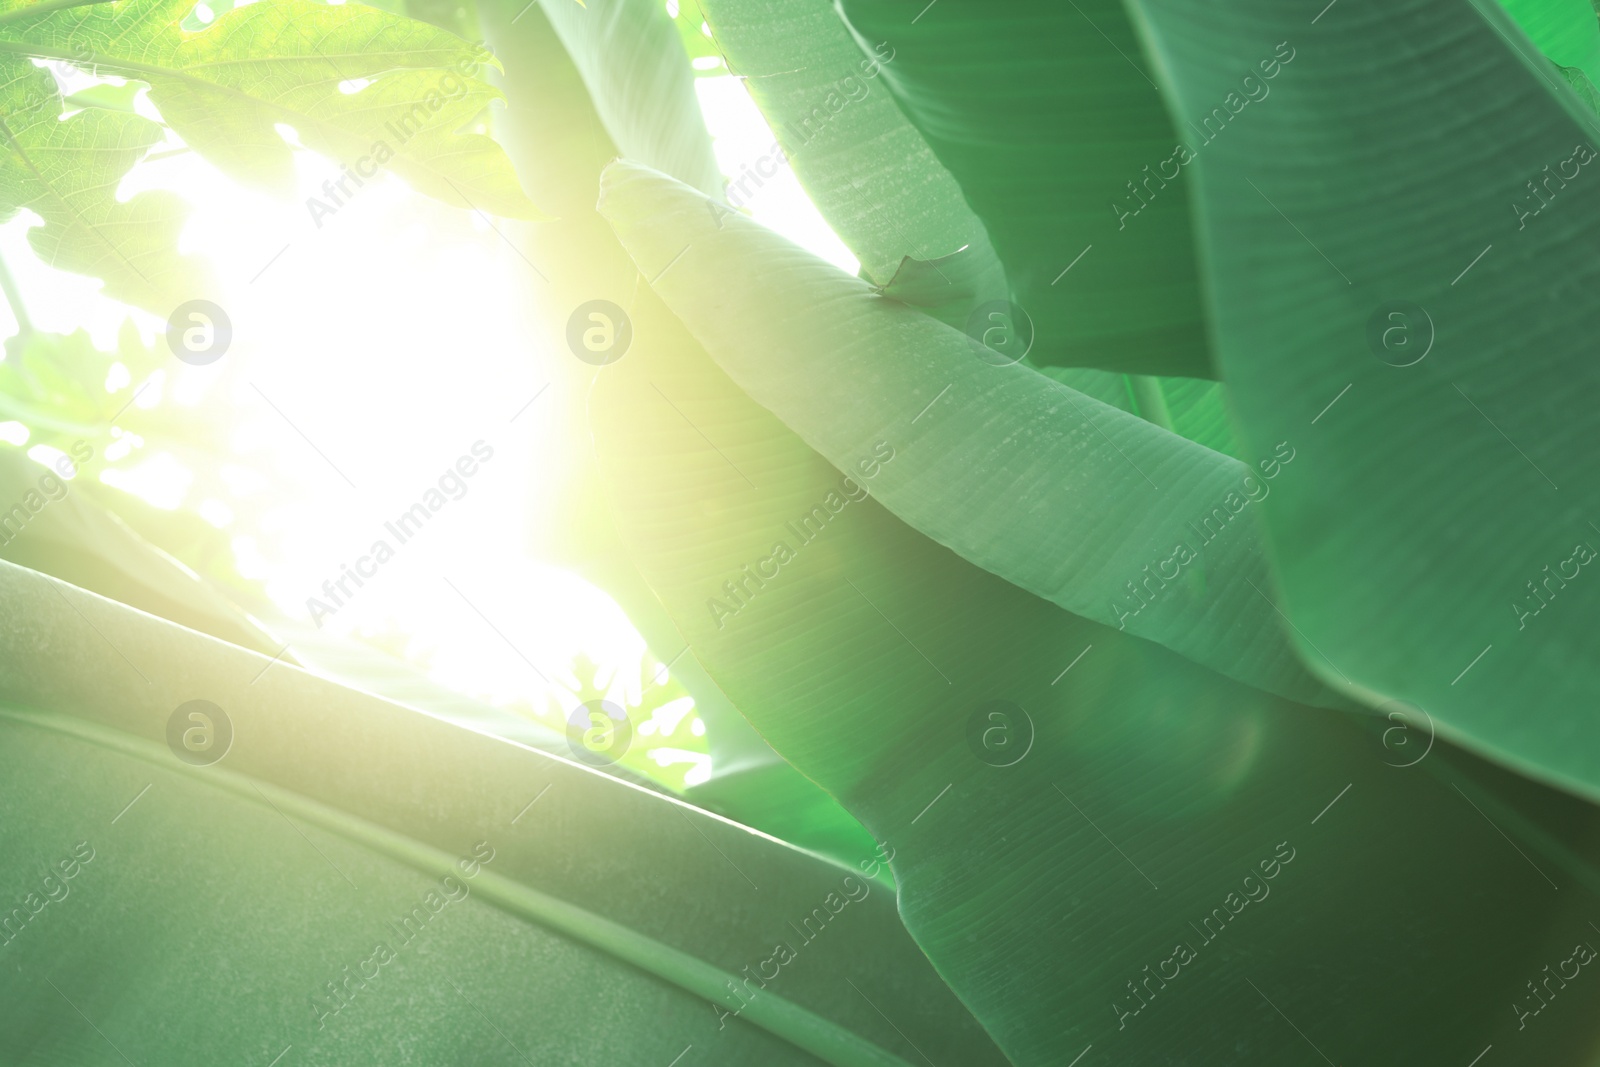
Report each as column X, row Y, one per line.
column 1103, row 513
column 632, row 60
column 49, row 524
column 866, row 167
column 309, row 824
column 555, row 133
column 1421, row 329
column 368, row 88
column 1052, row 851
column 1046, row 115
column 1566, row 31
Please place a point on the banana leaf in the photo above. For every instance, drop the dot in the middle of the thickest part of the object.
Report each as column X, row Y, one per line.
column 319, row 876
column 1051, row 121
column 1416, row 318
column 1111, row 853
column 559, row 137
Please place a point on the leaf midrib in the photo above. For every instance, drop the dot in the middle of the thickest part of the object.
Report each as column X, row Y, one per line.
column 782, row 1018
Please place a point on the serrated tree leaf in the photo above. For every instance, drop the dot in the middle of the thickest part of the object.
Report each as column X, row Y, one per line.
column 372, row 90
column 67, row 171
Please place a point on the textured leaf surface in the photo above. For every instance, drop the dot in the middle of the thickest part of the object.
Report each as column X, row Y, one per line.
column 67, row 171
column 1197, row 409
column 865, row 166
column 328, row 828
column 868, row 656
column 1084, row 505
column 1047, row 116
column 1435, row 545
column 632, row 60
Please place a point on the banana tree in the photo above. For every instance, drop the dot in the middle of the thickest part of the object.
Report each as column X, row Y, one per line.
column 1159, row 566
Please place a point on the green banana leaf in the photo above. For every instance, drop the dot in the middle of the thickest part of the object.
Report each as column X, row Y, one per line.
column 1419, row 329
column 1199, row 411
column 553, row 133
column 48, row 524
column 1566, row 31
column 845, row 138
column 1051, row 121
column 317, row 874
column 1192, row 407
column 1074, row 810
column 867, row 169
column 1100, row 512
column 631, row 57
